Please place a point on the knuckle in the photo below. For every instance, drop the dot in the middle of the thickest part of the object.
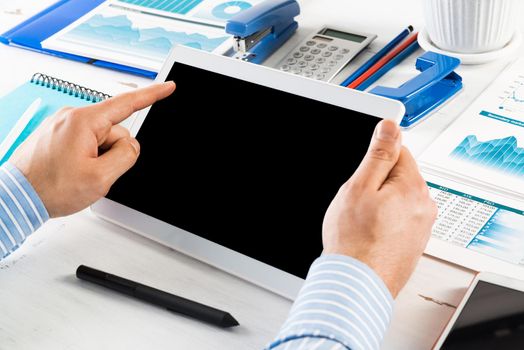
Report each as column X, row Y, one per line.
column 73, row 114
column 125, row 132
column 353, row 188
column 423, row 188
column 381, row 152
column 63, row 110
column 103, row 125
column 68, row 118
column 130, row 153
column 59, row 121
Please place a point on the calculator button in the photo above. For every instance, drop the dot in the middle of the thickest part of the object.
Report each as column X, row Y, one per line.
column 326, row 54
column 339, row 57
column 321, row 45
column 298, row 54
column 309, row 57
column 320, row 76
column 297, row 70
column 320, row 60
column 315, row 51
column 291, row 61
column 304, row 49
column 333, row 48
column 308, row 74
column 285, row 68
column 314, row 66
column 311, row 43
column 325, row 70
column 302, row 64
column 344, row 51
column 332, row 63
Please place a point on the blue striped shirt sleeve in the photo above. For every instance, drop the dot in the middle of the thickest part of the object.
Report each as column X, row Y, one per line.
column 343, row 305
column 21, row 209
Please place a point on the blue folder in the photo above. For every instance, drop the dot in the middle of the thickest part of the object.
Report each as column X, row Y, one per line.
column 31, row 33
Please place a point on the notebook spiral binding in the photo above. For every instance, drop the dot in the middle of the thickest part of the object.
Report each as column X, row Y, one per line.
column 69, row 88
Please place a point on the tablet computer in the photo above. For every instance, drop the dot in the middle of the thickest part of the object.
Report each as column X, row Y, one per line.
column 490, row 316
column 239, row 165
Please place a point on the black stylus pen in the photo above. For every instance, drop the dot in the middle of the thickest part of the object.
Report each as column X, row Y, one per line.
column 157, row 297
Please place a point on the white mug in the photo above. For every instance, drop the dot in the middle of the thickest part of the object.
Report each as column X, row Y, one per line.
column 471, row 26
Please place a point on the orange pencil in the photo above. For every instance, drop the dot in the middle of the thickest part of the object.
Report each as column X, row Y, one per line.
column 383, row 62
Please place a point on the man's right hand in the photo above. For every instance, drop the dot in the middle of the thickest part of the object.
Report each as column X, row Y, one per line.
column 75, row 156
column 383, row 214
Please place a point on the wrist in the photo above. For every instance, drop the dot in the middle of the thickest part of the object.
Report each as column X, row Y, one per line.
column 24, row 191
column 383, row 270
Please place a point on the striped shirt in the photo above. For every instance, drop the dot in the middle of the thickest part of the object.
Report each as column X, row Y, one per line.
column 342, row 305
column 21, row 210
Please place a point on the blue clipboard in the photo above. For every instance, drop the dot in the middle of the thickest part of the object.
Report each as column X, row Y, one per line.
column 31, row 33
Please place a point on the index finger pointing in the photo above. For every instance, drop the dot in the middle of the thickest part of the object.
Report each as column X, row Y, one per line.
column 119, row 108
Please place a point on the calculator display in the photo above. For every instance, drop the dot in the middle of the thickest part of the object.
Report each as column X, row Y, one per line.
column 321, row 38
column 344, row 35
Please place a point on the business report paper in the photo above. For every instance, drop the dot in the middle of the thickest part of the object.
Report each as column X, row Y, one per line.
column 141, row 34
column 480, row 230
column 485, row 145
column 475, row 173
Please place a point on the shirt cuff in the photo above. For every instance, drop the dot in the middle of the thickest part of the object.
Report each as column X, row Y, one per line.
column 22, row 211
column 343, row 300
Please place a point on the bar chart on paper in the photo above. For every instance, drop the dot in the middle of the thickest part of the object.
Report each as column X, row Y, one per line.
column 211, row 12
column 181, row 7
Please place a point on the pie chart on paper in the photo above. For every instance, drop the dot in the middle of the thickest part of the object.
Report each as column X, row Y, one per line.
column 228, row 9
column 222, row 11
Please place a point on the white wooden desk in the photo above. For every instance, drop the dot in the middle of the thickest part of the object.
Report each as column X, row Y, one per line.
column 43, row 306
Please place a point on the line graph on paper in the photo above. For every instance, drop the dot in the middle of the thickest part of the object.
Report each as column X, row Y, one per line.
column 134, row 38
column 513, row 97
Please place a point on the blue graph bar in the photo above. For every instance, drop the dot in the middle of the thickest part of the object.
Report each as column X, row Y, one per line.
column 174, row 6
column 501, row 154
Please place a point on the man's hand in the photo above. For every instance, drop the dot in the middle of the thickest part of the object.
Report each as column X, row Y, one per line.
column 383, row 215
column 62, row 159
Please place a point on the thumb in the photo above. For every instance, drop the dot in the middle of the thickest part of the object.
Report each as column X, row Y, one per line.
column 122, row 155
column 382, row 155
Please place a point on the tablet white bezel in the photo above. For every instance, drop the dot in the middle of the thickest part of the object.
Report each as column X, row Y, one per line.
column 496, row 279
column 224, row 258
column 317, row 90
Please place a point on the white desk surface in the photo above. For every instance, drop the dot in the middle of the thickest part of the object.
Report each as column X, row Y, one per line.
column 43, row 306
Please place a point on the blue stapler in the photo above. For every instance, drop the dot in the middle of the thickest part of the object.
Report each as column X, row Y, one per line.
column 263, row 28
column 436, row 83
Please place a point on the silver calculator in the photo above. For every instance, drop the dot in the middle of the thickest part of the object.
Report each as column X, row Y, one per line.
column 322, row 55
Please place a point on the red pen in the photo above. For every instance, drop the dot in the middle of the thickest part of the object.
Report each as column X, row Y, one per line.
column 383, row 61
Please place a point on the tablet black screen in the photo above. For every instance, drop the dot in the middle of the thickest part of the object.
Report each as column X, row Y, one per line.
column 492, row 319
column 248, row 167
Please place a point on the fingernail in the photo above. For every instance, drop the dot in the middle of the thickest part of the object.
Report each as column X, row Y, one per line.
column 135, row 145
column 387, row 131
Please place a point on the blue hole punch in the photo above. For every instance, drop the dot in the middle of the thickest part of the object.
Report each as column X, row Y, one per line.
column 435, row 85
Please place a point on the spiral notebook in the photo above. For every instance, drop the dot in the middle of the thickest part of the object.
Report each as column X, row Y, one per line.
column 53, row 93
